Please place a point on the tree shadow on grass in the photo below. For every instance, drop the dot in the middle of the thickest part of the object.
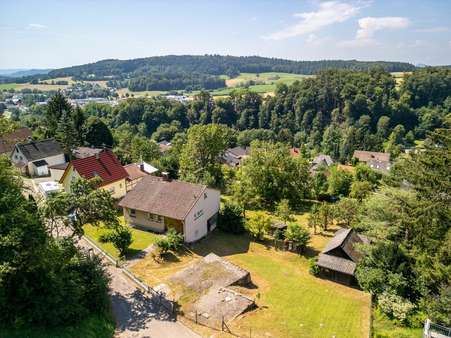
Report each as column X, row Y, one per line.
column 134, row 311
column 222, row 244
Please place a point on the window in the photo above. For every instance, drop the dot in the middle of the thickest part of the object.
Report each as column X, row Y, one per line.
column 198, row 214
column 155, row 218
column 111, row 190
column 132, row 213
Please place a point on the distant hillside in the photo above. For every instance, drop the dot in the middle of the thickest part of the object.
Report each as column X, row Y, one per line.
column 22, row 72
column 216, row 65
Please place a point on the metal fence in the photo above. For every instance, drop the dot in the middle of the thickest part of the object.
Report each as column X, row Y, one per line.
column 433, row 330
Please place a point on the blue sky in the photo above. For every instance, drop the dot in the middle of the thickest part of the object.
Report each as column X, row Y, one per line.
column 41, row 34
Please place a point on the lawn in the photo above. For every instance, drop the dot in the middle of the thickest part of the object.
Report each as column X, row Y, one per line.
column 265, row 78
column 385, row 328
column 141, row 239
column 292, row 303
column 93, row 327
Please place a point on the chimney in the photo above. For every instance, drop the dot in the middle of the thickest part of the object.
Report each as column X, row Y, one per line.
column 97, row 155
column 141, row 166
column 165, row 176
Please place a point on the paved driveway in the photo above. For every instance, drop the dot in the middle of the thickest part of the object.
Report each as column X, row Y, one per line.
column 136, row 315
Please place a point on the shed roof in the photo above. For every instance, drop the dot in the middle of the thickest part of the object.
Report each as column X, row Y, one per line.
column 337, row 264
column 36, row 150
column 172, row 198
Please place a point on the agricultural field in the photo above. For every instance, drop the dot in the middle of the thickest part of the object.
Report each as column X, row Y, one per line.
column 399, row 77
column 46, row 85
column 291, row 302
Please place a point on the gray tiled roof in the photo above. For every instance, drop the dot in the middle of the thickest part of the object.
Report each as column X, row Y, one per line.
column 36, row 150
column 337, row 264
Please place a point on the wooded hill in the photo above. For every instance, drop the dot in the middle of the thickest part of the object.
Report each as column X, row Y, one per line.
column 191, row 72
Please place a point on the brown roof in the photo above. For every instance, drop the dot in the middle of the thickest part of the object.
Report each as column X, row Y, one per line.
column 337, row 264
column 134, row 171
column 8, row 140
column 83, row 152
column 172, row 199
column 344, row 240
column 365, row 156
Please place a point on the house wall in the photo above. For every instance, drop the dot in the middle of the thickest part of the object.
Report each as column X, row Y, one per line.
column 142, row 220
column 195, row 226
column 71, row 176
column 117, row 188
column 39, row 171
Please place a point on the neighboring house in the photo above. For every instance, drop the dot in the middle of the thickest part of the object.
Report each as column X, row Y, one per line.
column 158, row 203
column 104, row 165
column 136, row 171
column 375, row 160
column 164, row 145
column 83, row 152
column 9, row 140
column 233, row 156
column 34, row 158
column 320, row 160
column 340, row 257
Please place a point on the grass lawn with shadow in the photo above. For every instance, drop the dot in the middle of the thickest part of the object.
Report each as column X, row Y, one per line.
column 141, row 239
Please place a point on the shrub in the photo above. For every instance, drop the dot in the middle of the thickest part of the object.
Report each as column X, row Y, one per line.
column 258, row 226
column 297, row 234
column 120, row 237
column 313, row 267
column 231, row 218
column 283, row 211
column 173, row 241
column 395, row 306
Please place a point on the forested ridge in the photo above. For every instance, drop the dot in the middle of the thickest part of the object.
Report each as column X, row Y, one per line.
column 191, row 72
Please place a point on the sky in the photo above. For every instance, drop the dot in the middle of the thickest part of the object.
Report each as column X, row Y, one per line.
column 52, row 34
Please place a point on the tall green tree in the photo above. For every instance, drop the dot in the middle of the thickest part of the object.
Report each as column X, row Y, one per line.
column 200, row 156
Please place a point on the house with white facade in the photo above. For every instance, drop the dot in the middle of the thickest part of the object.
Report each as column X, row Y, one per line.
column 34, row 158
column 159, row 203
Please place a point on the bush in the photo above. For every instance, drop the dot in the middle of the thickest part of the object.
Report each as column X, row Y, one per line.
column 173, row 241
column 313, row 267
column 297, row 234
column 394, row 306
column 231, row 218
column 283, row 211
column 258, row 226
column 120, row 237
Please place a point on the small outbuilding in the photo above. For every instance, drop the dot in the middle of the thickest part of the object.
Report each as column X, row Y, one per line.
column 340, row 257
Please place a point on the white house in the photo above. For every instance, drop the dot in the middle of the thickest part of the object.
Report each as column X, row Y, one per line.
column 158, row 203
column 35, row 157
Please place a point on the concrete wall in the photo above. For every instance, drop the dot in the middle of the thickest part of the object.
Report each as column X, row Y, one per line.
column 142, row 220
column 195, row 226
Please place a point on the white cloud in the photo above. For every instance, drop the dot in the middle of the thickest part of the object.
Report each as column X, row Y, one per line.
column 438, row 29
column 369, row 26
column 36, row 26
column 328, row 13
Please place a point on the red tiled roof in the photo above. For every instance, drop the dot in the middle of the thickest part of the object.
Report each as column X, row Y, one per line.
column 105, row 165
column 295, row 152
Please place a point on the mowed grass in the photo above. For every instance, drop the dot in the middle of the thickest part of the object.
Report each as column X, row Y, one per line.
column 92, row 327
column 265, row 78
column 292, row 303
column 141, row 239
column 385, row 328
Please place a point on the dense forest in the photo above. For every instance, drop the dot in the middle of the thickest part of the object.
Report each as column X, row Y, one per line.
column 191, row 72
